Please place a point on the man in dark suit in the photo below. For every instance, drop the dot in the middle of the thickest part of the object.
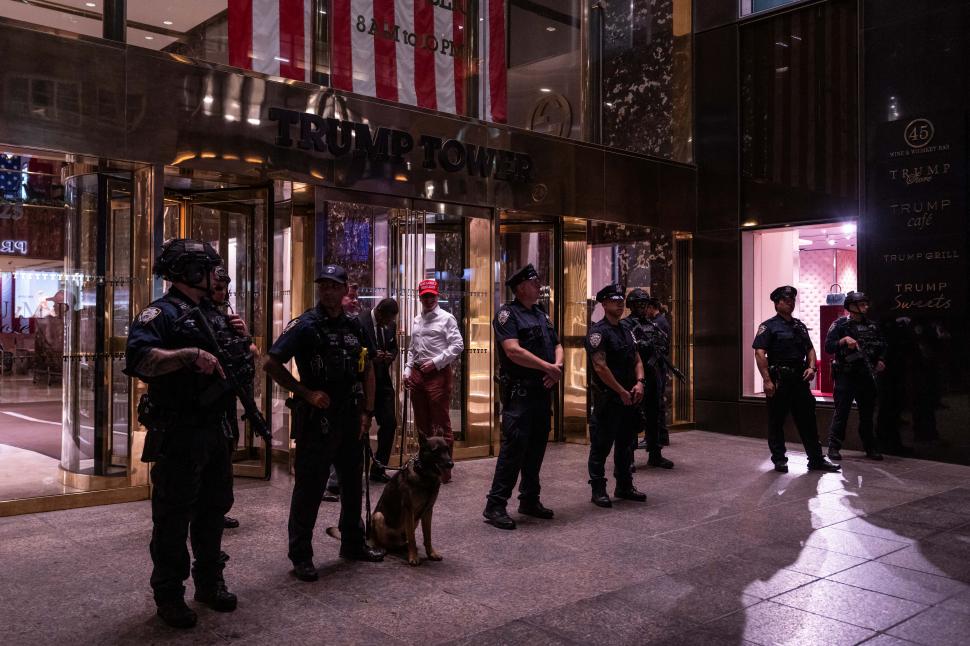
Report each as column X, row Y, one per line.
column 380, row 326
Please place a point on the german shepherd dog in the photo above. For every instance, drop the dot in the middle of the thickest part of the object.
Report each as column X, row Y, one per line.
column 409, row 497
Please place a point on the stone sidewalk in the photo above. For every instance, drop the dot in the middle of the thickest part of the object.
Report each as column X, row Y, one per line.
column 726, row 551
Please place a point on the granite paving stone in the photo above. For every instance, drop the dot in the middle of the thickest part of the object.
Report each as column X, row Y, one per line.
column 726, row 552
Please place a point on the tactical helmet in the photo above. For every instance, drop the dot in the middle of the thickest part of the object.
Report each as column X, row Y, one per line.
column 222, row 276
column 186, row 261
column 853, row 298
column 637, row 296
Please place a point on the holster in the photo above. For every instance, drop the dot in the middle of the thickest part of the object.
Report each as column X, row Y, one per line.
column 156, row 423
column 306, row 418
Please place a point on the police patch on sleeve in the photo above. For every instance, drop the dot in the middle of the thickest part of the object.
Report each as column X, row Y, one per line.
column 762, row 329
column 594, row 339
column 290, row 325
column 148, row 314
column 503, row 316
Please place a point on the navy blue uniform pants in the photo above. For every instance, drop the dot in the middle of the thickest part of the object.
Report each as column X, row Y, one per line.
column 342, row 447
column 792, row 395
column 613, row 427
column 855, row 386
column 526, row 419
column 191, row 492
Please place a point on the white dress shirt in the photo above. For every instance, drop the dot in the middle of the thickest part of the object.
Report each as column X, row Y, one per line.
column 435, row 337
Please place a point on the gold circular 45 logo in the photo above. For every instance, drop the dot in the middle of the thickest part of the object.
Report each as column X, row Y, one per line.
column 919, row 133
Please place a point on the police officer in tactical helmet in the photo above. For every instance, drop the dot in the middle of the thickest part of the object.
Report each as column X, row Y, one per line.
column 233, row 334
column 184, row 411
column 651, row 342
column 786, row 359
column 617, row 388
column 332, row 409
column 656, row 314
column 858, row 348
column 530, row 366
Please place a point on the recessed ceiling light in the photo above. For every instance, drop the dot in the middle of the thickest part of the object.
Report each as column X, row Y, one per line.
column 149, row 38
column 831, row 243
column 550, row 29
column 544, row 89
column 167, row 22
column 90, row 4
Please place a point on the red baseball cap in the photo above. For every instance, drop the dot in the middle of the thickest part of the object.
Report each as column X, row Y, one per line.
column 429, row 286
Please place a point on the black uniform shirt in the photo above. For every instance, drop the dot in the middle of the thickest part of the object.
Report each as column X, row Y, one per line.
column 327, row 350
column 785, row 342
column 864, row 331
column 161, row 325
column 617, row 343
column 535, row 333
column 661, row 330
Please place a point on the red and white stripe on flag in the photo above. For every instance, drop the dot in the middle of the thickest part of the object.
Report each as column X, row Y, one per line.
column 412, row 51
column 272, row 36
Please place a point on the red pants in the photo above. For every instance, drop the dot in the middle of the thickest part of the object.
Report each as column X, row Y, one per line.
column 431, row 399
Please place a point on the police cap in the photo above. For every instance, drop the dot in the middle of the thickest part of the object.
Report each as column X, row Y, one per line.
column 785, row 291
column 612, row 292
column 526, row 273
column 336, row 273
column 854, row 297
column 637, row 296
column 185, row 260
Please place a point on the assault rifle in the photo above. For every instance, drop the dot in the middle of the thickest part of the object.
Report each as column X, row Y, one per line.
column 664, row 360
column 251, row 411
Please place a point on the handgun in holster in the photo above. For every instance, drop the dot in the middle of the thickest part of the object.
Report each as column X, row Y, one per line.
column 306, row 417
column 156, row 422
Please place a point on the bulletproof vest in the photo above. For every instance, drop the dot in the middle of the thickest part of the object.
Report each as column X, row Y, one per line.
column 337, row 361
column 236, row 347
column 871, row 344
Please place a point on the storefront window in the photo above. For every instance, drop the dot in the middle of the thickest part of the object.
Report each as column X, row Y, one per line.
column 821, row 262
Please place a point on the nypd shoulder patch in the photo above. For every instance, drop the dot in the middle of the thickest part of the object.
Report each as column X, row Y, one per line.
column 594, row 339
column 148, row 314
column 290, row 325
column 762, row 329
column 503, row 316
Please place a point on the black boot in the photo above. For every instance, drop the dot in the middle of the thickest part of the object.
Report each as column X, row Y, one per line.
column 834, row 453
column 600, row 497
column 629, row 492
column 177, row 615
column 497, row 517
column 229, row 522
column 217, row 597
column 657, row 459
column 821, row 464
column 305, row 571
column 874, row 454
column 535, row 509
column 362, row 552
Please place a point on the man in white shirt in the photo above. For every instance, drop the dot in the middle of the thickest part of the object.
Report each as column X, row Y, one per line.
column 435, row 344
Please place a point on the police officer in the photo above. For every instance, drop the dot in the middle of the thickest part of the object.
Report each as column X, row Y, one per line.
column 332, row 411
column 233, row 336
column 858, row 348
column 651, row 342
column 660, row 330
column 786, row 359
column 617, row 385
column 188, row 436
column 530, row 366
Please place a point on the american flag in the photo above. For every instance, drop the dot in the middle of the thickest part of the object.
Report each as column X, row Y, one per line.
column 408, row 51
column 11, row 177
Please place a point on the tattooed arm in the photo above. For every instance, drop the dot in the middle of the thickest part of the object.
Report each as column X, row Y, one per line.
column 162, row 362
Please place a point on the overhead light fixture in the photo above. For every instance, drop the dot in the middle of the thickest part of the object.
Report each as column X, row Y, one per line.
column 550, row 29
column 167, row 22
column 749, row 223
column 848, row 228
column 544, row 89
column 149, row 38
column 802, row 242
